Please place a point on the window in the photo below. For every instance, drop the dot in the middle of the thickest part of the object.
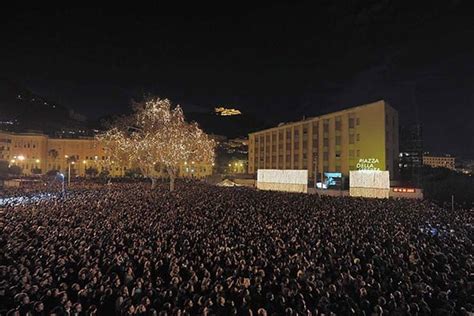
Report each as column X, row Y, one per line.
column 338, row 123
column 351, row 122
column 338, row 154
column 351, row 153
column 338, row 140
column 351, row 139
column 326, row 142
column 326, row 156
column 358, row 137
column 357, row 121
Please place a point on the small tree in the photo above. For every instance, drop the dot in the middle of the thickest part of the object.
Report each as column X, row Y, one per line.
column 91, row 172
column 133, row 173
column 4, row 169
column 14, row 170
column 52, row 173
column 36, row 171
column 156, row 133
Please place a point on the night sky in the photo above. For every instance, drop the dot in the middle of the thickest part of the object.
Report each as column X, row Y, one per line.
column 278, row 62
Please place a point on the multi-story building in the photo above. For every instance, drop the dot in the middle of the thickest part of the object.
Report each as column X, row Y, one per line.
column 411, row 153
column 361, row 137
column 38, row 153
column 440, row 161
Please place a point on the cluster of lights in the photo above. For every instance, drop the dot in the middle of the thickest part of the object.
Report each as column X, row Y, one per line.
column 236, row 164
column 222, row 111
column 404, row 190
column 21, row 158
column 156, row 133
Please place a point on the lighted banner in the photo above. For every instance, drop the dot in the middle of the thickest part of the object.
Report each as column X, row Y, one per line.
column 282, row 180
column 369, row 183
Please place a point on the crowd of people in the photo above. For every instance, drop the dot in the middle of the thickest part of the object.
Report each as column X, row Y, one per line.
column 124, row 249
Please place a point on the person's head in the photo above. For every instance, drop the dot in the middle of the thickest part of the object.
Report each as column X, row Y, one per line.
column 77, row 307
column 38, row 307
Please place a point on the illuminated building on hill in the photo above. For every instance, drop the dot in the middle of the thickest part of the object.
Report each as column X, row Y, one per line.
column 226, row 112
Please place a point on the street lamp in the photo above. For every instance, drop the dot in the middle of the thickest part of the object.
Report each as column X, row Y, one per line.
column 316, row 172
column 69, row 172
column 62, row 178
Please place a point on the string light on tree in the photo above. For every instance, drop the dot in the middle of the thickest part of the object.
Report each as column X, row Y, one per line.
column 156, row 133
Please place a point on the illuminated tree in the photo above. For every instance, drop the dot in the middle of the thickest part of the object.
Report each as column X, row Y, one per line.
column 156, row 133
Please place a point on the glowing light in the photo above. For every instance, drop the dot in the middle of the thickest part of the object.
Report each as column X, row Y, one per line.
column 222, row 111
column 84, row 161
column 37, row 161
column 21, row 158
column 368, row 164
column 157, row 133
column 404, row 190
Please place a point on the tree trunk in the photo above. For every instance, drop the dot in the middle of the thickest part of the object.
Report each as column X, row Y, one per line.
column 172, row 182
column 153, row 183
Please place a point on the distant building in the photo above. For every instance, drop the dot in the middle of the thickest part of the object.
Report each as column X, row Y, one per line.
column 361, row 137
column 38, row 152
column 411, row 153
column 232, row 156
column 222, row 111
column 440, row 161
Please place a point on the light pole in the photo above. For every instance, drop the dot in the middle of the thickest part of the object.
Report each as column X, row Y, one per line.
column 69, row 163
column 85, row 167
column 315, row 161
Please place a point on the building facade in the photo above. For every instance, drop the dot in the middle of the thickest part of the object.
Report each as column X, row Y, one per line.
column 411, row 153
column 361, row 137
column 440, row 161
column 38, row 153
